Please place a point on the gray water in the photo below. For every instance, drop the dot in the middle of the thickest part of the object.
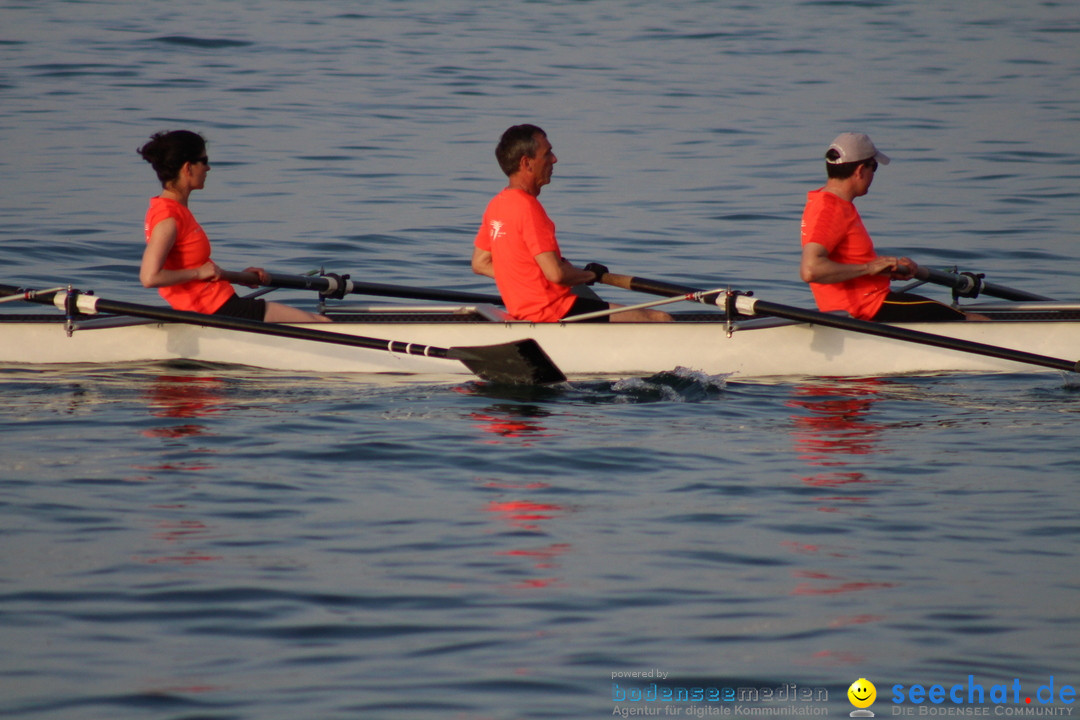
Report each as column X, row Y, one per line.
column 191, row 542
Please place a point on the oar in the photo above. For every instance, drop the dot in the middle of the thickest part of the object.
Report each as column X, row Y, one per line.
column 519, row 362
column 752, row 306
column 970, row 285
column 965, row 284
column 655, row 287
column 338, row 286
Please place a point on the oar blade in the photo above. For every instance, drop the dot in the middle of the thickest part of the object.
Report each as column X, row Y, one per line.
column 522, row 362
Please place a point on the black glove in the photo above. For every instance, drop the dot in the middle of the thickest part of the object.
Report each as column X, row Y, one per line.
column 596, row 269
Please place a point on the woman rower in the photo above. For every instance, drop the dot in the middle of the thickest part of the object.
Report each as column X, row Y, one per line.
column 177, row 256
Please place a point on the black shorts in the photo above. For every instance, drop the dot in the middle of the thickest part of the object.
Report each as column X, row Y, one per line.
column 907, row 307
column 243, row 308
column 582, row 306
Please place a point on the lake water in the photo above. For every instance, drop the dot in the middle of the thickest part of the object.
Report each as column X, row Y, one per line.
column 189, row 542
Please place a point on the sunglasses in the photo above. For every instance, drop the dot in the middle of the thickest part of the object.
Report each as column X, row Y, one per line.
column 204, row 160
column 872, row 164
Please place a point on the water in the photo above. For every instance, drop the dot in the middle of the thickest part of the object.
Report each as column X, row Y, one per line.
column 192, row 542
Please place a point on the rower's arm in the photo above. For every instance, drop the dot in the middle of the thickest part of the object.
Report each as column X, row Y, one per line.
column 481, row 263
column 152, row 272
column 816, row 267
column 560, row 272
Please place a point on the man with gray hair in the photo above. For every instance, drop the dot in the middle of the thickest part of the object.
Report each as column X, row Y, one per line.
column 516, row 242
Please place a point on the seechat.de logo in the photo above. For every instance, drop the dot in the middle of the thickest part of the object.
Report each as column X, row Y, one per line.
column 862, row 694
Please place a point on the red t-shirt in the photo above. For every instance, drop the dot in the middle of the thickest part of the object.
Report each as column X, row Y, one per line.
column 191, row 250
column 834, row 223
column 515, row 229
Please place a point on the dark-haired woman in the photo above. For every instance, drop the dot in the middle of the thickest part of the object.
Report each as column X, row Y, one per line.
column 177, row 256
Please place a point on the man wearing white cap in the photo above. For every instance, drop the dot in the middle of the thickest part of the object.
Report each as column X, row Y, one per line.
column 838, row 257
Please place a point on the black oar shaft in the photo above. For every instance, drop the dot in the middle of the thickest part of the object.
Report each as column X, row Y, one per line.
column 260, row 328
column 753, row 306
column 967, row 285
column 334, row 285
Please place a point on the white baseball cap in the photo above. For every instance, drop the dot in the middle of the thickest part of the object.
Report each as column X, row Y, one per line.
column 853, row 147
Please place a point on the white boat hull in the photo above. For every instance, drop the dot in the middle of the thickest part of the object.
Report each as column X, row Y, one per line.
column 754, row 349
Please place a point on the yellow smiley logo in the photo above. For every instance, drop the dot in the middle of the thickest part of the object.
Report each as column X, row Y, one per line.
column 862, row 693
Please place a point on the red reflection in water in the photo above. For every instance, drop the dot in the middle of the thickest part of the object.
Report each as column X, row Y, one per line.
column 836, row 424
column 178, row 533
column 537, row 583
column 836, row 479
column 176, row 431
column 524, row 514
column 810, row 549
column 505, row 428
column 839, row 587
column 531, row 516
column 185, row 396
column 543, row 557
column 520, row 423
column 835, row 427
column 837, row 420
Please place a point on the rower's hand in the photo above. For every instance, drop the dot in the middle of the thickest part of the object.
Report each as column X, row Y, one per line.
column 264, row 277
column 882, row 265
column 897, row 268
column 905, row 269
column 596, row 269
column 209, row 272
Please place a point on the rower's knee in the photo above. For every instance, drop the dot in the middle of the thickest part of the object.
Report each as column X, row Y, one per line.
column 644, row 315
column 278, row 313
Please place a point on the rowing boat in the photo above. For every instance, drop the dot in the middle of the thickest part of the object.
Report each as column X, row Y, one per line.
column 744, row 348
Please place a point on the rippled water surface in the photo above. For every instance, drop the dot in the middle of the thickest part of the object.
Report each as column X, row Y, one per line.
column 203, row 542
